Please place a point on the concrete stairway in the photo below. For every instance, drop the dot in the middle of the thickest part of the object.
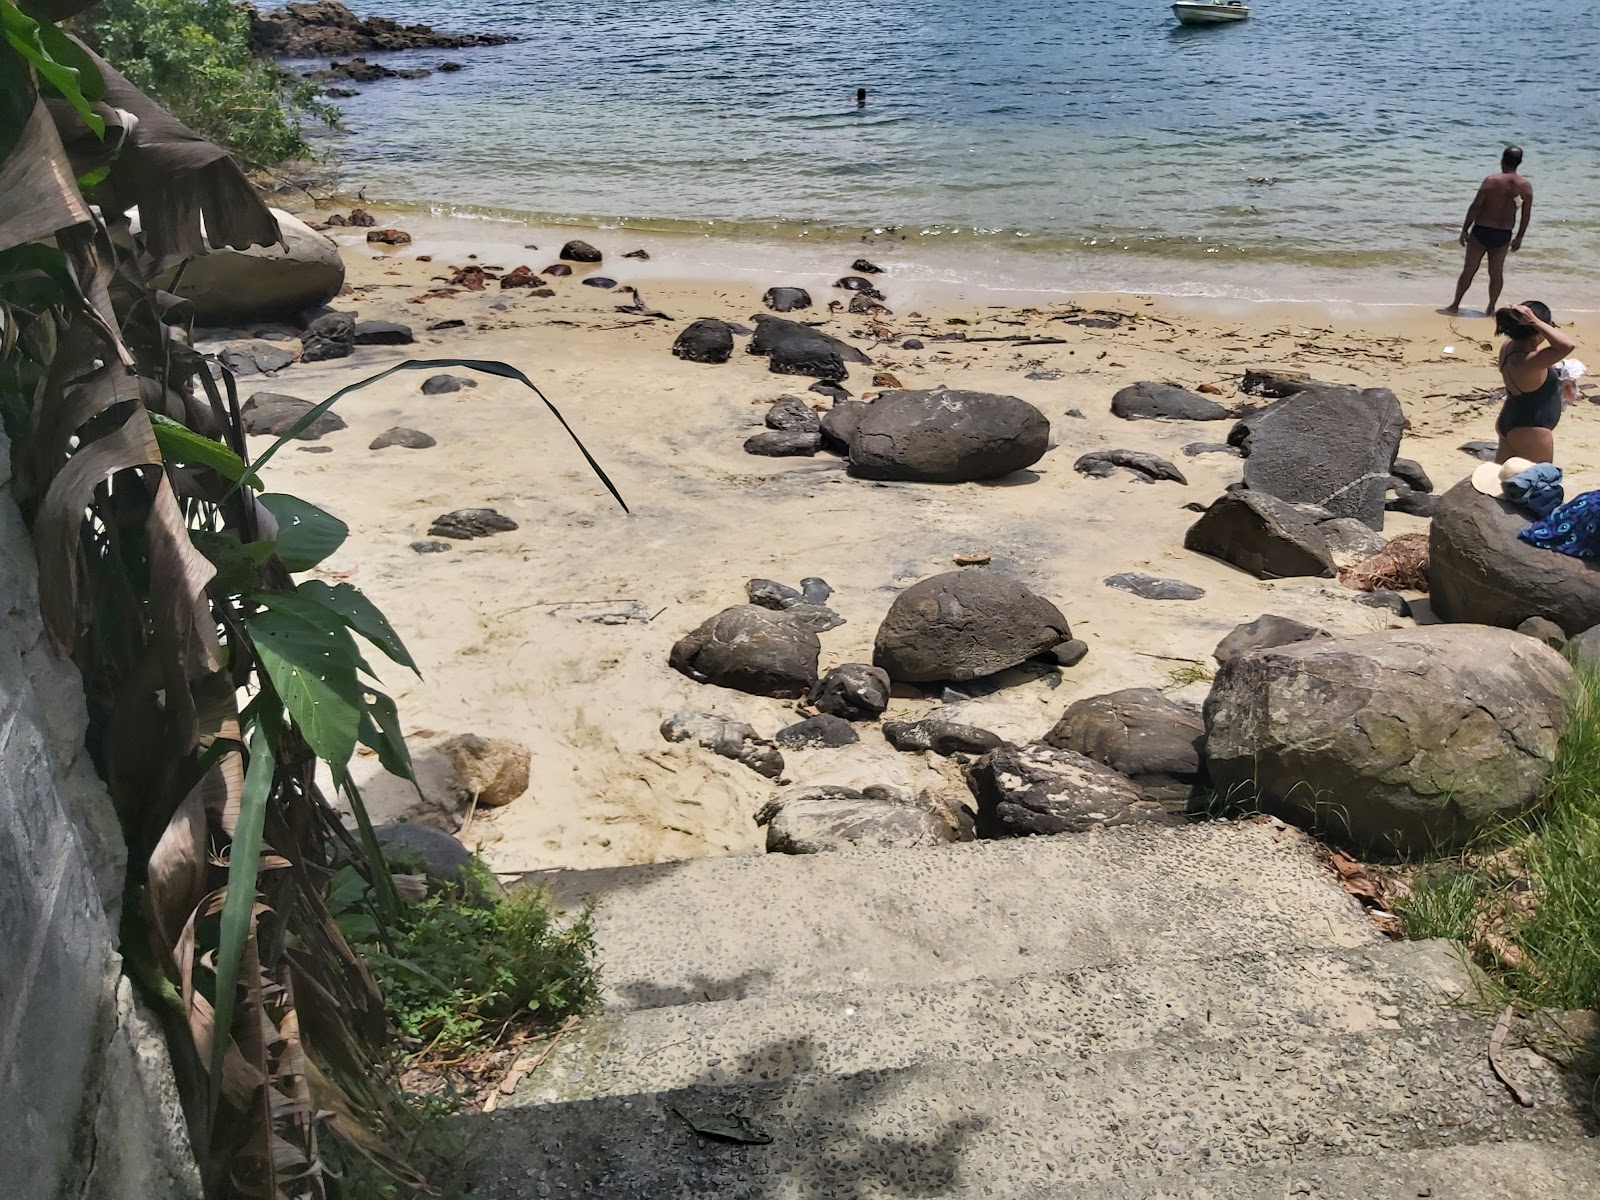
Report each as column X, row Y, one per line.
column 1134, row 1013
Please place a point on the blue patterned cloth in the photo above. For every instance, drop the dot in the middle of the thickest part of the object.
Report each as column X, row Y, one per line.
column 1538, row 489
column 1573, row 529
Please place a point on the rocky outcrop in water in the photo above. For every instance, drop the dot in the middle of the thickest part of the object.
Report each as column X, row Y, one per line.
column 326, row 27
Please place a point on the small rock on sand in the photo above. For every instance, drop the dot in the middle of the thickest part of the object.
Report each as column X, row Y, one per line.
column 1145, row 467
column 705, row 341
column 272, row 414
column 786, row 299
column 495, row 770
column 436, row 385
column 580, row 251
column 824, row 729
column 791, row 414
column 1152, row 587
column 411, row 439
column 383, row 333
column 779, row 443
column 853, row 691
column 941, row 737
column 599, row 281
column 1164, row 402
column 865, row 267
column 388, row 237
column 466, row 523
column 430, row 547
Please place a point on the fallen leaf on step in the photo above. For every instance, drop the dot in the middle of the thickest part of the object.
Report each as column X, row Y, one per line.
column 1496, row 1043
column 731, row 1128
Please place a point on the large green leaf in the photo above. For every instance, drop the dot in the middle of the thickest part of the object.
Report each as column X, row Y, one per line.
column 28, row 38
column 314, row 613
column 313, row 668
column 360, row 614
column 306, row 534
column 380, row 731
column 181, row 444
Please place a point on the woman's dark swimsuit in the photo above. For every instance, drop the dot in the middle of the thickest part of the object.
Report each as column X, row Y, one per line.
column 1490, row 238
column 1538, row 409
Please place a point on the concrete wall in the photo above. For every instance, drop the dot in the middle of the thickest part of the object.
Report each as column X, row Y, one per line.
column 88, row 1110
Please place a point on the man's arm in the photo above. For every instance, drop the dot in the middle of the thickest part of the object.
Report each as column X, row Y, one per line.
column 1527, row 214
column 1472, row 213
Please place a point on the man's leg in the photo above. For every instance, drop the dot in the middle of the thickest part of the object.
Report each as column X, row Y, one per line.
column 1474, row 257
column 1497, row 264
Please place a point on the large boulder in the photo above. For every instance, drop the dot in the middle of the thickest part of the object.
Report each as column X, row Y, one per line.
column 1479, row 570
column 1039, row 789
column 1270, row 538
column 811, row 820
column 964, row 625
column 753, row 650
column 1329, row 446
column 945, row 436
column 1140, row 733
column 263, row 283
column 1405, row 740
column 1164, row 402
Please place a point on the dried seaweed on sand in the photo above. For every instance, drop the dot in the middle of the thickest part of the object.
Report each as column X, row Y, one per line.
column 1402, row 565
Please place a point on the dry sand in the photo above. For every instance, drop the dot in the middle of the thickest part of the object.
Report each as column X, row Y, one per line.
column 496, row 624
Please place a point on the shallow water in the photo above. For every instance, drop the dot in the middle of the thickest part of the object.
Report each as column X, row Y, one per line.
column 1319, row 148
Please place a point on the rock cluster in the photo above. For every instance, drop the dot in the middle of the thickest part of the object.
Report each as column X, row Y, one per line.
column 326, row 27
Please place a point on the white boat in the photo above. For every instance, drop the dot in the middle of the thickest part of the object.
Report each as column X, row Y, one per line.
column 1210, row 12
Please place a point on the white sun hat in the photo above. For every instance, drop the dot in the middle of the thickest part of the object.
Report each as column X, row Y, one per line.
column 1490, row 478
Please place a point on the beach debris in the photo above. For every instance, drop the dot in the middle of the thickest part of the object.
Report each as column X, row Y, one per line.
column 388, row 237
column 1153, row 587
column 383, row 333
column 963, row 625
column 580, row 252
column 640, row 307
column 882, row 379
column 854, row 691
column 1276, row 382
column 1145, row 467
column 793, row 414
column 332, row 335
column 822, row 730
column 972, row 558
column 1211, row 389
column 1164, row 402
column 493, row 771
column 430, row 547
column 786, row 299
column 726, row 738
column 472, row 277
column 273, row 414
column 706, row 340
column 1038, row 789
column 520, row 277
column 1045, row 375
column 399, row 435
column 1402, row 564
column 314, row 449
column 1141, row 733
column 820, row 818
column 1482, row 451
column 863, row 303
column 941, row 737
column 946, row 436
column 606, row 612
column 1265, row 631
column 465, row 524
column 447, row 324
column 750, row 649
column 436, row 385
column 784, row 443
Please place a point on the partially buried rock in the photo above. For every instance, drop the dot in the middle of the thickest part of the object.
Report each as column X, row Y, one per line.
column 964, row 625
column 769, row 593
column 822, row 730
column 256, row 356
column 1544, row 631
column 1145, row 467
column 1070, row 652
column 410, row 439
column 853, row 691
column 813, row 820
column 726, row 738
column 437, row 385
column 705, row 341
column 445, row 862
column 271, row 414
column 1264, row 632
column 1270, row 538
column 839, row 424
column 557, row 270
column 1194, row 449
column 1408, row 740
column 520, row 277
column 786, row 299
column 1034, row 789
column 1164, row 402
column 795, row 349
column 494, row 770
column 1412, row 474
column 941, row 737
column 332, row 335
column 1152, row 587
column 430, row 547
column 946, row 436
column 752, row 650
column 865, row 267
column 794, row 415
column 1141, row 733
column 581, row 252
column 388, row 237
column 778, row 443
column 383, row 333
column 466, row 523
column 599, row 281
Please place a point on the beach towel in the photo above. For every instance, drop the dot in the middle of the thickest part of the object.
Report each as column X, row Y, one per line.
column 1538, row 489
column 1573, row 529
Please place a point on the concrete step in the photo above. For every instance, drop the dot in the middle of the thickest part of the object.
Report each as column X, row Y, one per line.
column 730, row 928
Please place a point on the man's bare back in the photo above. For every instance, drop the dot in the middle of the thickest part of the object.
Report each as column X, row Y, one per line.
column 1496, row 204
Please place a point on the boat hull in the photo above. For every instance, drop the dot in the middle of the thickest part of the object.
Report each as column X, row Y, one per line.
column 1209, row 14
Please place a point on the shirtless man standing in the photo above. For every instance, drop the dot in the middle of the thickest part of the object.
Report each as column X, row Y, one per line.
column 1490, row 220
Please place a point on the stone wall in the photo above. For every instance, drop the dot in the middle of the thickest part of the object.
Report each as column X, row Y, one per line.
column 88, row 1109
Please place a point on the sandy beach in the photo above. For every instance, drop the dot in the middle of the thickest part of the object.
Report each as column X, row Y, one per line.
column 514, row 632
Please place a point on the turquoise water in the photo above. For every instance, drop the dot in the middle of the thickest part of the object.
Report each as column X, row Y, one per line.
column 1317, row 146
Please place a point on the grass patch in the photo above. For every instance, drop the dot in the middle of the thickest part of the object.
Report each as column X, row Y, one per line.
column 1193, row 672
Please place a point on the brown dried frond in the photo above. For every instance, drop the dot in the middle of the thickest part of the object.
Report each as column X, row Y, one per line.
column 1402, row 565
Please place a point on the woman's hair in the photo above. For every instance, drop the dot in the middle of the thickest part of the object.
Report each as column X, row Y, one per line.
column 1507, row 324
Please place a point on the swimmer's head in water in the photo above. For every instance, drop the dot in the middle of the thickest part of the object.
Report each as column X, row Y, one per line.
column 1511, row 158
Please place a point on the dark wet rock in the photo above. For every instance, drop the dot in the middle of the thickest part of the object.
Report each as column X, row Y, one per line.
column 1416, row 504
column 322, row 27
column 437, row 385
column 786, row 299
column 1383, row 598
column 449, row 323
column 1277, row 382
column 1193, row 449
column 388, row 237
column 1140, row 733
column 359, row 70
column 1145, row 467
column 1270, row 538
column 815, row 590
column 272, row 414
column 557, row 270
column 822, row 730
column 793, row 348
column 430, row 547
column 725, row 738
column 1164, row 402
column 332, row 335
column 705, row 341
column 769, row 593
column 641, row 255
column 812, row 820
column 750, row 649
column 831, row 390
column 1482, row 451
column 580, row 252
column 963, row 625
column 599, row 281
column 1481, row 572
column 1070, row 652
column 520, row 277
column 1265, row 631
column 839, row 423
column 863, row 302
column 1411, row 474
column 466, row 523
column 383, row 333
column 362, row 219
column 941, row 737
column 911, row 344
column 450, row 67
column 1152, row 587
column 853, row 691
column 255, row 357
column 1329, row 446
column 339, row 93
column 946, row 436
column 865, row 267
column 778, row 443
column 1408, row 740
column 1545, row 631
column 1037, row 789
column 410, row 439
column 794, row 415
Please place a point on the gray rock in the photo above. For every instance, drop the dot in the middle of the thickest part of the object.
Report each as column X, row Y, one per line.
column 726, row 738
column 332, row 335
column 383, row 333
column 839, row 424
column 1071, row 652
column 963, row 625
column 1480, row 571
column 1164, row 402
column 818, row 618
column 1194, row 449
column 466, row 523
column 430, row 547
column 445, row 862
column 1327, row 446
column 1276, row 382
column 705, row 341
column 752, row 650
column 1153, row 588
column 813, row 820
column 1145, row 467
column 944, row 436
column 436, row 385
column 777, row 443
column 255, row 357
column 793, row 415
column 580, row 252
column 1270, row 538
column 411, row 439
column 1265, row 631
column 263, row 283
column 1410, row 472
column 832, row 391
column 912, row 344
column 1349, row 541
column 1032, row 789
column 824, row 730
column 769, row 593
column 1383, row 598
column 1583, row 649
column 1544, row 631
column 815, row 590
column 1416, row 504
column 853, row 691
column 1482, row 451
column 1402, row 741
column 786, row 299
column 271, row 414
column 941, row 737
column 1140, row 733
